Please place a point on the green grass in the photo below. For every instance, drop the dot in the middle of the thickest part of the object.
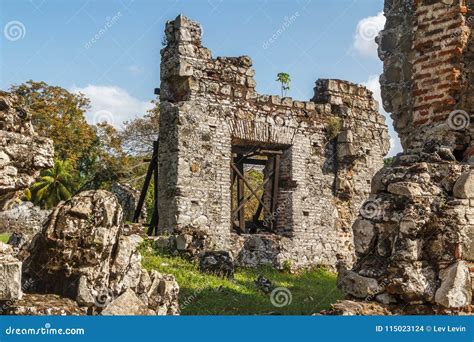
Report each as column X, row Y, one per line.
column 203, row 294
column 4, row 237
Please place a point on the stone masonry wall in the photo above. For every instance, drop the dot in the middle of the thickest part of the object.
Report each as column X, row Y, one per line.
column 426, row 47
column 22, row 152
column 210, row 104
column 414, row 236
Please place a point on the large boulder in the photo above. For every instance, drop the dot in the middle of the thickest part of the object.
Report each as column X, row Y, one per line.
column 218, row 263
column 464, row 186
column 84, row 253
column 128, row 199
column 22, row 153
column 356, row 285
column 127, row 304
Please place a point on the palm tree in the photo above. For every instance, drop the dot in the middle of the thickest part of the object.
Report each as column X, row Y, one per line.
column 54, row 185
column 285, row 80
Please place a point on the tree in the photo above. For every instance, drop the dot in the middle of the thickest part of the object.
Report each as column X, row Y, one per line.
column 105, row 162
column 93, row 151
column 285, row 80
column 59, row 115
column 54, row 185
column 139, row 134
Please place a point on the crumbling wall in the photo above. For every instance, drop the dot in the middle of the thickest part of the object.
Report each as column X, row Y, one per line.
column 414, row 236
column 426, row 50
column 210, row 104
column 22, row 153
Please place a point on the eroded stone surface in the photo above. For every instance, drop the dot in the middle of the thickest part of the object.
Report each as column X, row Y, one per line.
column 83, row 253
column 421, row 206
column 456, row 288
column 22, row 153
column 43, row 305
column 10, row 274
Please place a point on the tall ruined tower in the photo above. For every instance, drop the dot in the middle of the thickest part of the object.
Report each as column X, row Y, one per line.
column 415, row 235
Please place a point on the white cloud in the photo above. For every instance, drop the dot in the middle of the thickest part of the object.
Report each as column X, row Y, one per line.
column 373, row 85
column 112, row 104
column 366, row 31
column 135, row 70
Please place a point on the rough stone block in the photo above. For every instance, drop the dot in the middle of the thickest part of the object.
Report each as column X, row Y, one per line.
column 456, row 289
column 10, row 276
column 464, row 186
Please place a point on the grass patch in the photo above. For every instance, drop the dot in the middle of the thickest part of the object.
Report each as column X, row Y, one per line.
column 203, row 294
column 4, row 237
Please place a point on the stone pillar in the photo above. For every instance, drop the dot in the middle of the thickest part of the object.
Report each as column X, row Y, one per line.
column 414, row 235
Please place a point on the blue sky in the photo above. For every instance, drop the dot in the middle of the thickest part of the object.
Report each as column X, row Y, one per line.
column 50, row 40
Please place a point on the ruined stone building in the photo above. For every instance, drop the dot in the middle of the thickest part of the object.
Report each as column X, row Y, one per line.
column 414, row 238
column 317, row 157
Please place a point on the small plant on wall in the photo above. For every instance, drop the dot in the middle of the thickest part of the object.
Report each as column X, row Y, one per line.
column 284, row 80
column 333, row 127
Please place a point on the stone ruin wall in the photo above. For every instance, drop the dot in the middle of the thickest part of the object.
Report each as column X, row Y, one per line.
column 22, row 152
column 414, row 239
column 208, row 104
column 427, row 49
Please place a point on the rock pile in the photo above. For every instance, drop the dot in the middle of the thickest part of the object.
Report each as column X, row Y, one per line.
column 83, row 254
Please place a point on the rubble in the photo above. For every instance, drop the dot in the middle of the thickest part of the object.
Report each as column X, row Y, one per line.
column 82, row 253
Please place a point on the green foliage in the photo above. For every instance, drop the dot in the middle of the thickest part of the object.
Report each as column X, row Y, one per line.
column 288, row 266
column 388, row 161
column 4, row 237
column 333, row 127
column 94, row 152
column 203, row 294
column 59, row 115
column 54, row 185
column 285, row 80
